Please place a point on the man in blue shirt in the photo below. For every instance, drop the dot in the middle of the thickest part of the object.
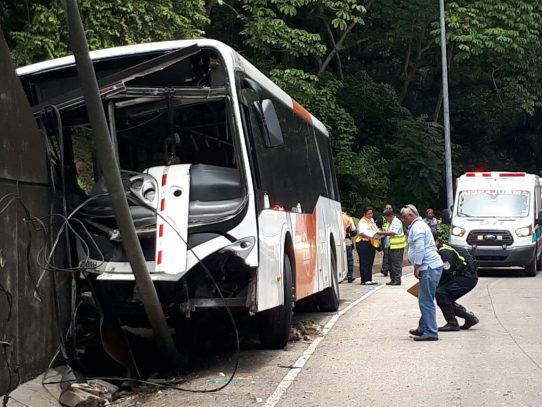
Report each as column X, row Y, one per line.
column 423, row 255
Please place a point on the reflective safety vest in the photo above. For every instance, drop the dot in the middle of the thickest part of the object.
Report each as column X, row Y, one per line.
column 372, row 240
column 461, row 258
column 398, row 241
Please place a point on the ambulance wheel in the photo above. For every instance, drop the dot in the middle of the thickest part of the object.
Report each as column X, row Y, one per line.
column 274, row 324
column 530, row 269
column 328, row 300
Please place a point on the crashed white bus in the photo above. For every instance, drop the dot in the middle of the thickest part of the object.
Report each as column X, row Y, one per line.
column 230, row 181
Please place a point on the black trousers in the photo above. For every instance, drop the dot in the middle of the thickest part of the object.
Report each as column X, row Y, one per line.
column 453, row 289
column 395, row 264
column 385, row 261
column 366, row 254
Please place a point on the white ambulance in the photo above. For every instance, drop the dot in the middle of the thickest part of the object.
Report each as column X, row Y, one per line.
column 496, row 216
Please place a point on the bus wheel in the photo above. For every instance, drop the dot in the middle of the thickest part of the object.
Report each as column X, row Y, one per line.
column 328, row 300
column 530, row 269
column 274, row 324
column 539, row 261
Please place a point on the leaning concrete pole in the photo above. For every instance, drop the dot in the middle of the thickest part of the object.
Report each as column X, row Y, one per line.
column 109, row 169
column 446, row 105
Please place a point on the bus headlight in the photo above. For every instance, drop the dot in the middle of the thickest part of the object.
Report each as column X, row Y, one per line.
column 457, row 231
column 522, row 232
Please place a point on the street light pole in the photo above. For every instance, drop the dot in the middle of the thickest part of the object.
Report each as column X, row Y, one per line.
column 446, row 111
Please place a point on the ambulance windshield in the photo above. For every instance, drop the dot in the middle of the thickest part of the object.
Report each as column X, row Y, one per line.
column 493, row 203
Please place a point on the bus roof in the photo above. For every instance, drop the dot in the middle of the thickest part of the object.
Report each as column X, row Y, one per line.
column 234, row 61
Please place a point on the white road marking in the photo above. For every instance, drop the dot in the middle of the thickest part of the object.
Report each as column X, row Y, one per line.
column 299, row 363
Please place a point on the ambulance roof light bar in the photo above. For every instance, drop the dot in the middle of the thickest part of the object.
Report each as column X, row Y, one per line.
column 495, row 174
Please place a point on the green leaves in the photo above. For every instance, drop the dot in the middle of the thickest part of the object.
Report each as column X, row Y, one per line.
column 417, row 160
column 503, row 38
column 108, row 23
column 294, row 27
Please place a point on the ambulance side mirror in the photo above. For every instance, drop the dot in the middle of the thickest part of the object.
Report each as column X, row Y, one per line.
column 447, row 217
column 538, row 220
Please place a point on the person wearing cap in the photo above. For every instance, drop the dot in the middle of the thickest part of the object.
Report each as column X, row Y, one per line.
column 423, row 254
column 394, row 245
column 459, row 277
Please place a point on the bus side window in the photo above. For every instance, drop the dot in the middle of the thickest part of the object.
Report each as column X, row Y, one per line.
column 269, row 123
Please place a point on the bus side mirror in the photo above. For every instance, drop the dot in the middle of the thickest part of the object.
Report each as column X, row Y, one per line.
column 272, row 133
column 447, row 217
column 538, row 219
column 247, row 83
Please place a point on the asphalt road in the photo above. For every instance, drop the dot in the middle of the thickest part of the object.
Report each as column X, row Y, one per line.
column 364, row 356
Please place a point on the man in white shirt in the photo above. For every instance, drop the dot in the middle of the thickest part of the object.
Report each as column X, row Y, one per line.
column 395, row 243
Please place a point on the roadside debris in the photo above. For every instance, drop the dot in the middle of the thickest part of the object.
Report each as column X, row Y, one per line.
column 93, row 393
column 305, row 330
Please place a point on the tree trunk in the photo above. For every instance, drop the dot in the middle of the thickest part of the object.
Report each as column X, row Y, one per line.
column 335, row 49
column 406, row 72
column 410, row 72
column 337, row 56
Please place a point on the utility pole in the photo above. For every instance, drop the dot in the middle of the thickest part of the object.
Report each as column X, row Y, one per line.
column 446, row 107
column 110, row 171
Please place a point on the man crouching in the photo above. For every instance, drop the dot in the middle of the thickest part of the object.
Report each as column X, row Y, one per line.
column 459, row 276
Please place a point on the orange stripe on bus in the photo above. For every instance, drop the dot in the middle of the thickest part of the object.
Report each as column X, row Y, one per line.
column 301, row 111
column 305, row 252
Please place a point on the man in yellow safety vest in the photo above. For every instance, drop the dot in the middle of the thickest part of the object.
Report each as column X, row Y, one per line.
column 384, row 225
column 395, row 242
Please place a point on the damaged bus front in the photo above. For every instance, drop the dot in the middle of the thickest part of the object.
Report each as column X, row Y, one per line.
column 183, row 126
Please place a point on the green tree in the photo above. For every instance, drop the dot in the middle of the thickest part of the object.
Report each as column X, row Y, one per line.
column 502, row 41
column 38, row 31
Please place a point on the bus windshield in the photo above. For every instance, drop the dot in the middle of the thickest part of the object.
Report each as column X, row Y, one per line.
column 493, row 203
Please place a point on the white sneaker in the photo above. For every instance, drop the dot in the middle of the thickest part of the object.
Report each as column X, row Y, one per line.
column 369, row 283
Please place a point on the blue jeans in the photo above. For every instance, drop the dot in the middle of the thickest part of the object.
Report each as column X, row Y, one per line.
column 429, row 279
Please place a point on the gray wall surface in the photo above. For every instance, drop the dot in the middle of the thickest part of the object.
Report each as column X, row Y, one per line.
column 27, row 324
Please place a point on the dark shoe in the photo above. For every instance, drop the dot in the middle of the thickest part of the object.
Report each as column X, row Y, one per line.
column 449, row 315
column 424, row 338
column 469, row 317
column 473, row 320
column 449, row 328
column 384, row 274
column 415, row 332
column 351, row 279
column 393, row 283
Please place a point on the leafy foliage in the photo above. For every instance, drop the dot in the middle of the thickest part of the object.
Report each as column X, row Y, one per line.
column 504, row 40
column 382, row 104
column 416, row 164
column 43, row 35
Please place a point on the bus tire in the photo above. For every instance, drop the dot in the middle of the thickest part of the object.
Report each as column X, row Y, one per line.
column 530, row 269
column 328, row 300
column 274, row 324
